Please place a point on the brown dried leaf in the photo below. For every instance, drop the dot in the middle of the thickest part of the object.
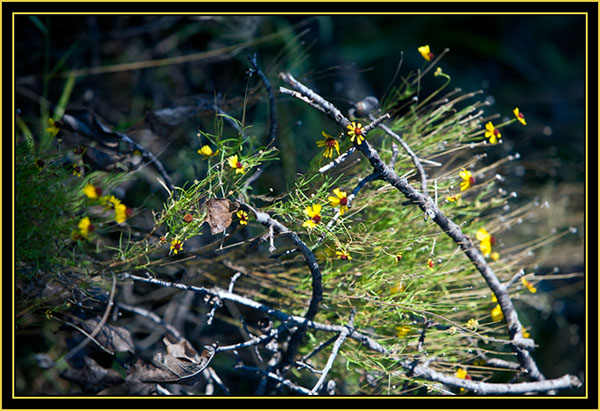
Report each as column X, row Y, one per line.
column 218, row 214
column 180, row 365
column 116, row 339
column 92, row 378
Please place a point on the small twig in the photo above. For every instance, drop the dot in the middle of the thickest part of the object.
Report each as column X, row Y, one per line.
column 81, row 330
column 234, row 278
column 334, row 352
column 338, row 160
column 214, row 302
column 100, row 324
column 272, row 108
column 514, row 279
column 152, row 317
column 218, row 381
column 395, row 153
column 319, row 348
column 275, row 377
column 485, row 388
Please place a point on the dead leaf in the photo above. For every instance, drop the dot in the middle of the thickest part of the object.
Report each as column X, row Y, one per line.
column 92, row 378
column 116, row 339
column 181, row 364
column 218, row 214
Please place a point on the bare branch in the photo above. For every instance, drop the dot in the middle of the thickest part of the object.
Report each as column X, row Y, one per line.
column 334, row 352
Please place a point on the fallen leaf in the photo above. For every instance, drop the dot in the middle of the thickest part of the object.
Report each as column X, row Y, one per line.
column 218, row 214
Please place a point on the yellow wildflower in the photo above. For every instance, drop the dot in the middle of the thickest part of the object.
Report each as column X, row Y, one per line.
column 243, row 216
column 236, row 164
column 92, row 191
column 402, row 331
column 468, row 179
column 343, row 255
column 341, row 200
column 85, row 227
column 529, row 286
column 473, row 323
column 53, row 129
column 426, row 52
column 492, row 132
column 207, row 152
column 355, row 131
column 497, row 314
column 176, row 246
column 329, row 143
column 519, row 116
column 314, row 212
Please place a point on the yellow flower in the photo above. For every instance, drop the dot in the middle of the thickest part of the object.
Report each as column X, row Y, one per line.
column 343, row 255
column 314, row 212
column 207, row 152
column 525, row 333
column 120, row 213
column 492, row 132
column 430, row 263
column 398, row 257
column 495, row 256
column 85, row 227
column 39, row 163
column 486, row 242
column 473, row 323
column 114, row 201
column 453, row 198
column 329, row 143
column 438, row 72
column 461, row 373
column 519, row 116
column 176, row 246
column 497, row 314
column 402, row 331
column 53, row 129
column 494, row 299
column 529, row 286
column 92, row 191
column 467, row 179
column 77, row 169
column 356, row 131
column 426, row 52
column 243, row 216
column 341, row 200
column 236, row 164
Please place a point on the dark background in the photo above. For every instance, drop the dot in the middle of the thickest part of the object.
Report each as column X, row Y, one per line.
column 535, row 62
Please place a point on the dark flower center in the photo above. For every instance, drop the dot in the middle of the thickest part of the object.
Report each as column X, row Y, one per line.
column 98, row 191
column 521, row 115
column 471, row 180
column 358, row 131
column 343, row 257
column 91, row 227
column 344, row 201
column 496, row 132
column 492, row 240
column 317, row 218
column 238, row 165
column 330, row 142
column 177, row 246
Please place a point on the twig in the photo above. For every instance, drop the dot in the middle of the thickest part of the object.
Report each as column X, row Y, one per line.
column 272, row 108
column 448, row 226
column 234, row 278
column 294, row 319
column 334, row 352
column 485, row 388
column 395, row 153
column 338, row 160
column 152, row 317
column 311, row 261
column 81, row 330
column 319, row 348
column 275, row 377
column 515, row 278
column 100, row 324
column 217, row 380
column 411, row 154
